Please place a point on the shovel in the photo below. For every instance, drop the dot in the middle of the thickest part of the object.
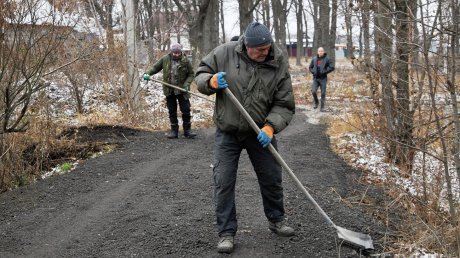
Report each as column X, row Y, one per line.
column 355, row 239
column 180, row 89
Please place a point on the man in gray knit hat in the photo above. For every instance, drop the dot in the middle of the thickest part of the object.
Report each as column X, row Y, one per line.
column 256, row 71
column 177, row 70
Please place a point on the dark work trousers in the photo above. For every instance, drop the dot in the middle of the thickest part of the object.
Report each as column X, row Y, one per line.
column 227, row 152
column 319, row 83
column 184, row 105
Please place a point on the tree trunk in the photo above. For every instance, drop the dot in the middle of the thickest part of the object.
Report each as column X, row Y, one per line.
column 442, row 139
column 245, row 7
column 322, row 25
column 316, row 25
column 222, row 21
column 75, row 88
column 167, row 14
column 365, row 16
column 266, row 13
column 300, row 51
column 349, row 28
column 384, row 44
column 203, row 27
column 109, row 28
column 365, row 19
column 404, row 114
column 454, row 6
column 452, row 87
column 333, row 32
column 360, row 42
column 104, row 11
column 279, row 23
column 306, row 35
column 210, row 28
column 324, row 22
column 158, row 35
column 132, row 80
column 150, row 24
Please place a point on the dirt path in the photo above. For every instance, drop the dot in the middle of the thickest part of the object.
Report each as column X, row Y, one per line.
column 153, row 197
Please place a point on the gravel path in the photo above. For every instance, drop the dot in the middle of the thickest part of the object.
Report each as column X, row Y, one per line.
column 153, row 197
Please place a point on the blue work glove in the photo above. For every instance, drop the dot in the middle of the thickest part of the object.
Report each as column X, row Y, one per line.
column 218, row 81
column 266, row 135
column 146, row 77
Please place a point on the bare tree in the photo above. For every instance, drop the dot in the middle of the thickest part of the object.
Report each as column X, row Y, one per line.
column 404, row 12
column 150, row 23
column 305, row 13
column 333, row 31
column 280, row 11
column 369, row 68
column 300, row 50
column 384, row 46
column 28, row 51
column 246, row 10
column 266, row 13
column 314, row 6
column 102, row 11
column 203, row 24
column 222, row 21
column 325, row 25
column 131, row 82
column 455, row 54
column 432, row 85
column 348, row 9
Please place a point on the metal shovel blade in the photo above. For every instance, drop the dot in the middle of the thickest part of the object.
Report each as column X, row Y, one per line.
column 359, row 240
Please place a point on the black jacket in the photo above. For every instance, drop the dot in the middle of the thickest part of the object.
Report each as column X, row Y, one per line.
column 325, row 67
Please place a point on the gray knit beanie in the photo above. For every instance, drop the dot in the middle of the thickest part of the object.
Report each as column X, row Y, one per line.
column 256, row 35
column 176, row 48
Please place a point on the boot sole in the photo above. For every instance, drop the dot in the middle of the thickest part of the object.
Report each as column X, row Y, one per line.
column 225, row 249
column 282, row 234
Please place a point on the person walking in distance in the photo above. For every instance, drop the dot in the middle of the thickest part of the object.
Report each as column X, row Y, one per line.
column 320, row 66
column 177, row 70
column 256, row 71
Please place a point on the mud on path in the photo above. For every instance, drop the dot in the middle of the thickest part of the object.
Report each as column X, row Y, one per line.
column 153, row 197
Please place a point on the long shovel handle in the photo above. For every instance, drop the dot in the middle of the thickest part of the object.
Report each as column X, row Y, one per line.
column 178, row 88
column 278, row 157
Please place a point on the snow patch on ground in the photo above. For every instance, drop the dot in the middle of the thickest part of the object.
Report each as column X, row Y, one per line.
column 104, row 99
column 58, row 170
column 367, row 153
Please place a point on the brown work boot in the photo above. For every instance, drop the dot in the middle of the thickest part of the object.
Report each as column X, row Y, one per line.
column 225, row 244
column 281, row 229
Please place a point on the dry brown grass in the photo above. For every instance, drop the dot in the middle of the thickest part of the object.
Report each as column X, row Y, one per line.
column 412, row 222
column 26, row 156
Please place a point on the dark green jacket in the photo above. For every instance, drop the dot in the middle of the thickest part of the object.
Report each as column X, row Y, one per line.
column 184, row 74
column 264, row 89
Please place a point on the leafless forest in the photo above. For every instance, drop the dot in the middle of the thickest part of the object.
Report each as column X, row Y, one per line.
column 96, row 50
